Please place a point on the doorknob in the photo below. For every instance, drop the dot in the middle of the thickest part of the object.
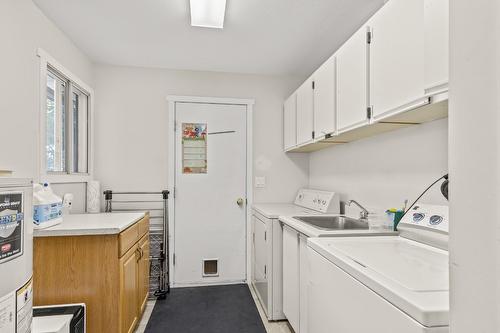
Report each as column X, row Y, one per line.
column 239, row 202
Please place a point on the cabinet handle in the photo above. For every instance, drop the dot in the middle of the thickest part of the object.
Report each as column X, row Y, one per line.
column 138, row 252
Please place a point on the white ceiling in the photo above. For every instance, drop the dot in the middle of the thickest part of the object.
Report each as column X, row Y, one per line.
column 259, row 36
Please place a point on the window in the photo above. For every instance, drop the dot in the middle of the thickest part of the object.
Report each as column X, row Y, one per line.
column 66, row 124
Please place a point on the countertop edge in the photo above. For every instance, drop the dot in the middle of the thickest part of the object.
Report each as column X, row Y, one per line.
column 42, row 233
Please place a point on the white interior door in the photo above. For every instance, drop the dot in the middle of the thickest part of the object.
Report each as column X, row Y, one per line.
column 210, row 207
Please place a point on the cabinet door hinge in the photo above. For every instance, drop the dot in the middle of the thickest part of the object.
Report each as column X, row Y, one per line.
column 368, row 37
column 265, row 270
column 265, row 235
column 369, row 112
column 313, row 85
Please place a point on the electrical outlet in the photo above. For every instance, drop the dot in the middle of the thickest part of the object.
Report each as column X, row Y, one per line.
column 67, row 202
column 260, row 182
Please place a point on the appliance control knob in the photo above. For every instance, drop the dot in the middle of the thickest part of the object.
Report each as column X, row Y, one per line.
column 417, row 217
column 435, row 220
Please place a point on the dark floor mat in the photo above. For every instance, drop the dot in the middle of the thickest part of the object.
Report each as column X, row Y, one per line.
column 216, row 309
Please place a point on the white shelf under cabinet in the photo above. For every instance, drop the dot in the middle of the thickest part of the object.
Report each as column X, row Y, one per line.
column 437, row 109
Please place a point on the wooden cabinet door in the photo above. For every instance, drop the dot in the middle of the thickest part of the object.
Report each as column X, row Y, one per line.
column 291, row 277
column 352, row 79
column 324, row 99
column 290, row 122
column 396, row 57
column 436, row 44
column 305, row 112
column 128, row 290
column 143, row 273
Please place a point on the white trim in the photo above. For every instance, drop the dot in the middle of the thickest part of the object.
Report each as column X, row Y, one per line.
column 209, row 100
column 207, row 284
column 45, row 60
column 403, row 108
column 48, row 59
column 353, row 126
column 171, row 172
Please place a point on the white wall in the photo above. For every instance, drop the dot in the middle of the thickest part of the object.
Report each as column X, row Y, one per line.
column 474, row 166
column 382, row 171
column 24, row 29
column 132, row 118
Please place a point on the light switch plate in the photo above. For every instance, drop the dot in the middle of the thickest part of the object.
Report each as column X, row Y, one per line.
column 260, row 182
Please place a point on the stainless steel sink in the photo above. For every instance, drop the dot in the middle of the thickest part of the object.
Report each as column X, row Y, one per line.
column 334, row 222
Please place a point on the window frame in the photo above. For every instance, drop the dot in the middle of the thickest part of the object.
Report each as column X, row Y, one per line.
column 67, row 176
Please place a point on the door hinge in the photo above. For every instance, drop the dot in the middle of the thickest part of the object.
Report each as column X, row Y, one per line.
column 313, row 85
column 254, row 237
column 369, row 112
column 175, row 192
column 173, row 259
column 175, row 127
column 265, row 270
column 368, row 37
column 312, row 134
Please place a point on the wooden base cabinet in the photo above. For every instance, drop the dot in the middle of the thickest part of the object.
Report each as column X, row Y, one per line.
column 109, row 273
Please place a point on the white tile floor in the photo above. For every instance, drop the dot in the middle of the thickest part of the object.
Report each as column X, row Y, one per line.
column 145, row 317
column 271, row 327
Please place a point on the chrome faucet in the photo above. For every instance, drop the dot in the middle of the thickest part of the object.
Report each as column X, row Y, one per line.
column 364, row 212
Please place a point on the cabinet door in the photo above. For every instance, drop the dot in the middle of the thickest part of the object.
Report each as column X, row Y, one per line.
column 305, row 113
column 397, row 56
column 352, row 79
column 303, row 282
column 324, row 99
column 128, row 290
column 291, row 277
column 436, row 20
column 143, row 273
column 290, row 122
column 260, row 243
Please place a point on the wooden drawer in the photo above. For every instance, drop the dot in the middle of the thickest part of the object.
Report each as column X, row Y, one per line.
column 128, row 238
column 143, row 225
column 132, row 234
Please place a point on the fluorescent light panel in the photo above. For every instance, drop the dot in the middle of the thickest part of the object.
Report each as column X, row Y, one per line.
column 208, row 13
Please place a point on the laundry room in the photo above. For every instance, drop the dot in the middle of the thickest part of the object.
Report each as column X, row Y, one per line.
column 255, row 166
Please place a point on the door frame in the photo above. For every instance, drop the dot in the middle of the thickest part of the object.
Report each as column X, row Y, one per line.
column 171, row 144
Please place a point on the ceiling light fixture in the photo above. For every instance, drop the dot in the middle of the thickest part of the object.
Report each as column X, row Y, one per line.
column 208, row 13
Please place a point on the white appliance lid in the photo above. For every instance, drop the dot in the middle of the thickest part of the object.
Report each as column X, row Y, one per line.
column 411, row 275
column 413, row 266
column 274, row 210
column 51, row 324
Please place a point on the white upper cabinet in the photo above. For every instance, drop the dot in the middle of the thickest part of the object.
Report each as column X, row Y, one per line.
column 305, row 112
column 324, row 99
column 436, row 20
column 352, row 80
column 290, row 122
column 397, row 57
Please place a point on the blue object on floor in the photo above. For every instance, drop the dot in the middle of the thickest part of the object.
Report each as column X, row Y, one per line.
column 215, row 309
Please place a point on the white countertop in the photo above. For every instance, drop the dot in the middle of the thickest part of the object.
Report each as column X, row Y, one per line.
column 274, row 210
column 310, row 231
column 91, row 224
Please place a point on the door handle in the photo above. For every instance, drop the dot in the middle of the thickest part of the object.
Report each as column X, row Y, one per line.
column 239, row 202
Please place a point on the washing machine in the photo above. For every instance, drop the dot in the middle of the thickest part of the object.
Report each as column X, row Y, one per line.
column 383, row 284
